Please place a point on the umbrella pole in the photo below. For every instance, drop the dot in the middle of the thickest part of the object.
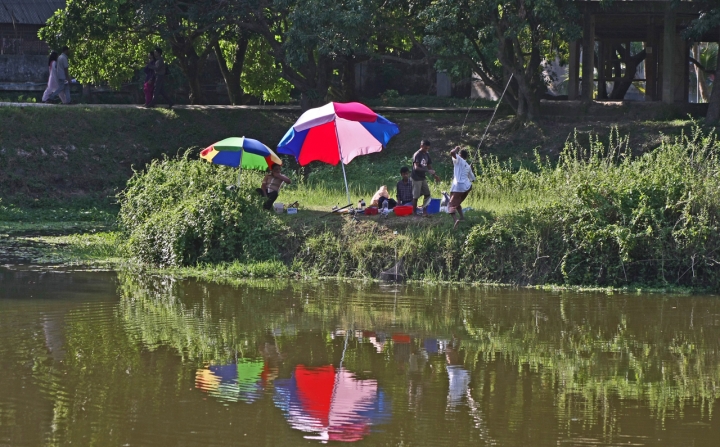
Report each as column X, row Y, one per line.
column 239, row 169
column 342, row 163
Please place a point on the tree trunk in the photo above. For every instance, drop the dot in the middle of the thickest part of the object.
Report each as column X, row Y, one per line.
column 192, row 67
column 232, row 75
column 621, row 86
column 348, row 80
column 703, row 92
column 314, row 92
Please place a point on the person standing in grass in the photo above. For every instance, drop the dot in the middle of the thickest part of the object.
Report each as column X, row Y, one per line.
column 271, row 185
column 422, row 165
column 461, row 183
column 405, row 187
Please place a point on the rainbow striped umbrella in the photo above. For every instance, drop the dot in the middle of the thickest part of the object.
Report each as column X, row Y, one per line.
column 241, row 152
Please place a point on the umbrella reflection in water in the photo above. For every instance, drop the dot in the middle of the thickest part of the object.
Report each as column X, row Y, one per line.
column 234, row 382
column 331, row 403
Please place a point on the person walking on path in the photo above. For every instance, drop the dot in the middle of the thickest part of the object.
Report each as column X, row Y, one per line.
column 422, row 165
column 149, row 85
column 52, row 84
column 461, row 183
column 63, row 77
column 159, row 87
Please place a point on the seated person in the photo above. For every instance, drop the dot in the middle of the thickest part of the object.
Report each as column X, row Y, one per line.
column 381, row 196
column 271, row 184
column 405, row 187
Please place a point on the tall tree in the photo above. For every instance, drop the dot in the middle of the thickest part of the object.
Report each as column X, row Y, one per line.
column 499, row 38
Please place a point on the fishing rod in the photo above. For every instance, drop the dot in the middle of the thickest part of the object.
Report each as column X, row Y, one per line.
column 494, row 112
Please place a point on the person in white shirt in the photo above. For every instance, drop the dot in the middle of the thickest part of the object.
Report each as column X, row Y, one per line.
column 461, row 183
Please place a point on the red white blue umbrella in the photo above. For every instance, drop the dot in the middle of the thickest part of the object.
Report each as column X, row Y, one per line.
column 337, row 132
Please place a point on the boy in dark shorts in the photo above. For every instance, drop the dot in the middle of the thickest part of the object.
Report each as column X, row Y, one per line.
column 422, row 165
column 271, row 184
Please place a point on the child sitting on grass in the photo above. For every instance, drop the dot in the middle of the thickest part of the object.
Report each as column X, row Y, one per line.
column 271, row 184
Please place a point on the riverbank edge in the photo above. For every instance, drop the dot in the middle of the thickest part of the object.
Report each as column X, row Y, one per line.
column 93, row 251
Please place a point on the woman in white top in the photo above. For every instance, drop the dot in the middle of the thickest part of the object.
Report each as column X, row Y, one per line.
column 461, row 184
column 52, row 84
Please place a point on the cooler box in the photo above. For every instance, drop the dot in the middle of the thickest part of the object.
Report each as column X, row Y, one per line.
column 370, row 211
column 434, row 206
column 403, row 210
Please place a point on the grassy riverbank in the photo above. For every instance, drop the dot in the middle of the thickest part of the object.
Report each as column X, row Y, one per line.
column 606, row 213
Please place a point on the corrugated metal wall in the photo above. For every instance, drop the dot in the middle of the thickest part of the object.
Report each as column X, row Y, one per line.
column 28, row 12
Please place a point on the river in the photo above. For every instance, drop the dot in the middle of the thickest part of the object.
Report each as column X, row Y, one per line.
column 117, row 359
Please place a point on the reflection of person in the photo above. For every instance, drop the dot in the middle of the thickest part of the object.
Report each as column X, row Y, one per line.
column 458, row 377
column 422, row 165
column 149, row 85
column 461, row 184
column 63, row 78
column 271, row 184
column 52, row 84
column 405, row 187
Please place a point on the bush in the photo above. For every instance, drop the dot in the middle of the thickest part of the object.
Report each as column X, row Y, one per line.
column 181, row 212
column 603, row 217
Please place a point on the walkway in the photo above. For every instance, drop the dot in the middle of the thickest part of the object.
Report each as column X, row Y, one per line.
column 293, row 109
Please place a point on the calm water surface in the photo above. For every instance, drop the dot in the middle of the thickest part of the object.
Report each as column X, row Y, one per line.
column 107, row 359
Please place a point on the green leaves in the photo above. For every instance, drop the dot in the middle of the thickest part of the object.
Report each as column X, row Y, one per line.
column 182, row 212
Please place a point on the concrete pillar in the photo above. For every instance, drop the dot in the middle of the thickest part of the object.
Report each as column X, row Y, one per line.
column 650, row 65
column 669, row 49
column 574, row 70
column 602, row 62
column 682, row 91
column 444, row 84
column 588, row 65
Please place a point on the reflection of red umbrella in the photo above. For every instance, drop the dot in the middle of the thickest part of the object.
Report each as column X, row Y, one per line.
column 330, row 402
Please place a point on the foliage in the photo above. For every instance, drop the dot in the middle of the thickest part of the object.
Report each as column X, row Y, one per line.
column 261, row 74
column 604, row 217
column 105, row 47
column 181, row 212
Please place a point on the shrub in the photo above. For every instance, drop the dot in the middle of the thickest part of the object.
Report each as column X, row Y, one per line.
column 603, row 217
column 180, row 212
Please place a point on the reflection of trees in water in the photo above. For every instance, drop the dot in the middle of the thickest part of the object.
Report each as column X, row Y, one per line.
column 596, row 353
column 589, row 355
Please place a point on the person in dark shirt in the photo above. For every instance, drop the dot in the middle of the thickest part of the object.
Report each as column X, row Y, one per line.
column 405, row 187
column 160, row 74
column 422, row 165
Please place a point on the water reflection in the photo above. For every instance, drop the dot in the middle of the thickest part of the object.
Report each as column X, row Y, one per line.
column 154, row 361
column 242, row 381
column 333, row 404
